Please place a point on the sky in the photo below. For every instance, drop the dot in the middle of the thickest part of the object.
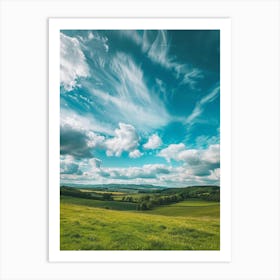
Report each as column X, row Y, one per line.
column 140, row 107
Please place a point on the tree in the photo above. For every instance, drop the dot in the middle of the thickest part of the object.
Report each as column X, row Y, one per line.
column 107, row 196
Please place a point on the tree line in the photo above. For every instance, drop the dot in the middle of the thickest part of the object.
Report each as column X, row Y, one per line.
column 147, row 202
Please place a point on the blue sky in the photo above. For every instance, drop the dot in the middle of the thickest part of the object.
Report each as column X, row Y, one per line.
column 140, row 107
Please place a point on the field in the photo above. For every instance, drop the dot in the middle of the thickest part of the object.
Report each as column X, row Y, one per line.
column 116, row 224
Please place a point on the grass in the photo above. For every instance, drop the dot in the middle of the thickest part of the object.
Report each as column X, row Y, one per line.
column 113, row 205
column 190, row 209
column 182, row 226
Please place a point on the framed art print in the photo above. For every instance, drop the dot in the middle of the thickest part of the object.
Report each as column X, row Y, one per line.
column 139, row 139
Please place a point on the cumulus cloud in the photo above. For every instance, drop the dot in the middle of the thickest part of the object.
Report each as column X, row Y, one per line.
column 172, row 151
column 95, row 162
column 77, row 141
column 154, row 142
column 73, row 63
column 157, row 174
column 179, row 152
column 126, row 139
column 192, row 156
column 80, row 142
column 135, row 154
column 72, row 166
column 197, row 163
column 69, row 166
column 212, row 154
column 74, row 142
column 148, row 171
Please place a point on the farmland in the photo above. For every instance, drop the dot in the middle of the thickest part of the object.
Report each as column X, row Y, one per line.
column 172, row 219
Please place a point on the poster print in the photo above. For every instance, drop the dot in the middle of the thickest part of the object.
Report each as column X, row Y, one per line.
column 139, row 140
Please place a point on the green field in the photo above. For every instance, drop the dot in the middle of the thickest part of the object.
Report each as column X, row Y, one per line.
column 88, row 224
column 200, row 209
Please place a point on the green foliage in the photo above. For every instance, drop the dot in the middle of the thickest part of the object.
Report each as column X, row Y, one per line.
column 209, row 193
column 107, row 196
column 171, row 196
column 74, row 192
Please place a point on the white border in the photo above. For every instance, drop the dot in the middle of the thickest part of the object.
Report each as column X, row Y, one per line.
column 224, row 254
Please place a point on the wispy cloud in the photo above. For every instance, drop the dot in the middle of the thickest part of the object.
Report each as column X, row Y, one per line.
column 200, row 105
column 87, row 122
column 95, row 40
column 192, row 78
column 127, row 96
column 156, row 45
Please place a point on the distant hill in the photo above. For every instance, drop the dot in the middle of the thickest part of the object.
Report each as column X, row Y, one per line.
column 203, row 192
column 117, row 187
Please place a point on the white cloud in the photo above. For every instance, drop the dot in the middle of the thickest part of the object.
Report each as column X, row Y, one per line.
column 135, row 154
column 86, row 122
column 90, row 36
column 205, row 140
column 148, row 171
column 126, row 139
column 172, row 151
column 201, row 164
column 128, row 96
column 156, row 174
column 199, row 107
column 94, row 140
column 192, row 157
column 159, row 49
column 212, row 154
column 214, row 174
column 192, row 78
column 77, row 137
column 73, row 63
column 156, row 45
column 78, row 140
column 94, row 40
column 68, row 165
column 154, row 142
column 95, row 163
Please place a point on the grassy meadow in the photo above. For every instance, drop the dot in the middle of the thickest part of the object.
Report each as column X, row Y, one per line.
column 172, row 219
